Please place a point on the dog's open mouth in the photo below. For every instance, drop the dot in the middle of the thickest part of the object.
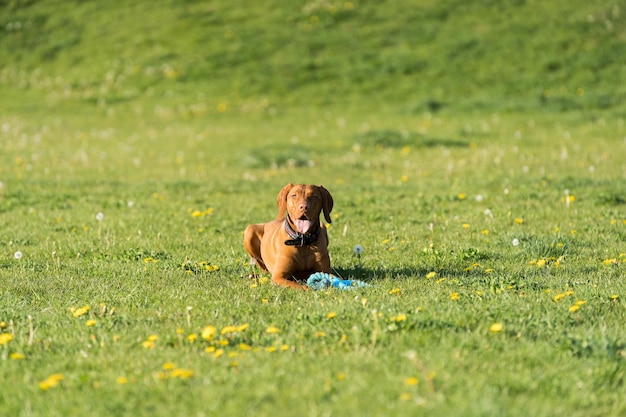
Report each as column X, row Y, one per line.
column 303, row 225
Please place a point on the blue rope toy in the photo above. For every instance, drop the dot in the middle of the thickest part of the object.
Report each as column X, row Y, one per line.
column 322, row 280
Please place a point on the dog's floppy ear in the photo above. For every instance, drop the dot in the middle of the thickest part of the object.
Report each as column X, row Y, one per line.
column 281, row 200
column 327, row 203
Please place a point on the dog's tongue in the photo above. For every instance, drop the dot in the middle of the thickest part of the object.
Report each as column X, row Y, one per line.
column 303, row 226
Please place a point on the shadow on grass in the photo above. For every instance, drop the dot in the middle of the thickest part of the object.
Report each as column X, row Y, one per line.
column 372, row 274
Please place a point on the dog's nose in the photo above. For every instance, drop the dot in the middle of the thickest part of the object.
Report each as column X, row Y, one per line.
column 303, row 206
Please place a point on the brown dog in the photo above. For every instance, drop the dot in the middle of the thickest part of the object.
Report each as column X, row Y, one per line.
column 293, row 247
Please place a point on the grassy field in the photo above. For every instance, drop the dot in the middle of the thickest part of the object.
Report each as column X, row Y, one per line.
column 476, row 151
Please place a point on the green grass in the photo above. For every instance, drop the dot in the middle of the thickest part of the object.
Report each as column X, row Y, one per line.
column 444, row 131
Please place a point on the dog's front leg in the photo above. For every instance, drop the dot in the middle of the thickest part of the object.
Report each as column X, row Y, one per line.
column 283, row 272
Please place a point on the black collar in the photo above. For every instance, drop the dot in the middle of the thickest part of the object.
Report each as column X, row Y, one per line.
column 300, row 239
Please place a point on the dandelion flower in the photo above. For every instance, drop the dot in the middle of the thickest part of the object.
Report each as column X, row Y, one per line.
column 90, row 323
column 100, row 217
column 18, row 255
column 515, row 242
column 121, row 380
column 519, row 220
column 272, row 330
column 395, row 291
column 574, row 308
column 455, row 296
column 192, row 337
column 496, row 328
column 51, row 382
column 81, row 311
column 182, row 373
column 541, row 263
column 431, row 275
column 358, row 250
column 614, row 297
column 558, row 297
column 398, row 318
column 168, row 366
column 228, row 329
column 17, row 356
column 5, row 338
column 331, row 315
column 208, row 332
column 612, row 261
column 411, row 381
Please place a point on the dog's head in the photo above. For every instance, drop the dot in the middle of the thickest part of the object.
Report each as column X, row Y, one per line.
column 304, row 204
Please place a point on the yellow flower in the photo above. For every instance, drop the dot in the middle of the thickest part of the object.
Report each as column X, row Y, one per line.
column 319, row 334
column 5, row 338
column 270, row 349
column 398, row 318
column 466, row 226
column 218, row 353
column 395, row 291
column 558, row 297
column 242, row 327
column 3, row 324
column 331, row 315
column 182, row 373
column 90, row 323
column 496, row 328
column 244, row 346
column 147, row 344
column 51, row 382
column 284, row 348
column 192, row 337
column 455, row 296
column 272, row 330
column 574, row 308
column 581, row 302
column 484, row 232
column 229, row 329
column 461, row 196
column 168, row 366
column 17, row 356
column 614, row 297
column 612, row 261
column 431, row 275
column 81, row 311
column 153, row 338
column 208, row 332
column 411, row 381
column 541, row 263
column 121, row 380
